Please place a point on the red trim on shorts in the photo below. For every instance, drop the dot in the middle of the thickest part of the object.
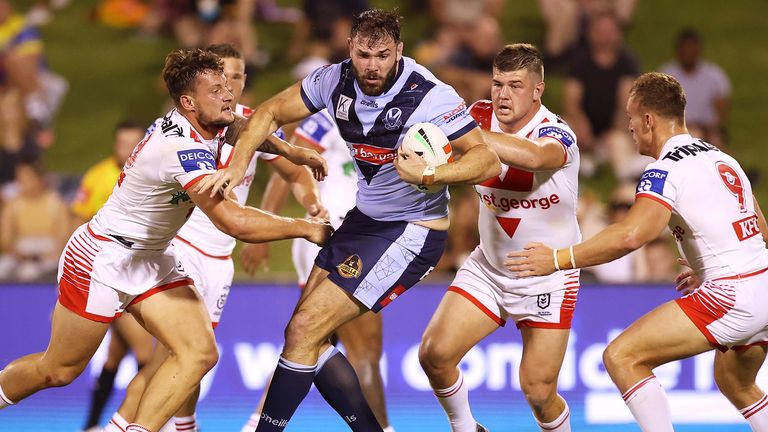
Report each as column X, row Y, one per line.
column 740, row 348
column 194, row 180
column 655, row 198
column 76, row 299
column 273, row 159
column 497, row 319
column 219, row 257
column 96, row 236
column 161, row 288
column 395, row 293
column 214, row 325
column 544, row 325
column 700, row 318
column 742, row 276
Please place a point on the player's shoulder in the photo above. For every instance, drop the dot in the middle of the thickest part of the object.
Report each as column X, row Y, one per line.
column 482, row 112
column 553, row 126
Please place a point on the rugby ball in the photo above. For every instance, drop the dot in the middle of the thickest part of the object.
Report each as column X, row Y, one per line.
column 431, row 144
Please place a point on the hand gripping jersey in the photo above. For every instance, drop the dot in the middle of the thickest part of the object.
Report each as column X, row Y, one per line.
column 713, row 214
column 519, row 207
column 149, row 204
column 373, row 127
column 199, row 232
column 338, row 190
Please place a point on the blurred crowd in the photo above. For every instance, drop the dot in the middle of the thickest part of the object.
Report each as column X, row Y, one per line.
column 583, row 42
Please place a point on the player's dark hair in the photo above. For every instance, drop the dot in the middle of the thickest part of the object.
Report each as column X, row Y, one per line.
column 182, row 67
column 660, row 93
column 129, row 124
column 224, row 50
column 519, row 56
column 376, row 25
column 687, row 34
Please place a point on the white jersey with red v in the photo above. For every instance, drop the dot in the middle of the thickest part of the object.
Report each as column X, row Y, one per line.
column 518, row 206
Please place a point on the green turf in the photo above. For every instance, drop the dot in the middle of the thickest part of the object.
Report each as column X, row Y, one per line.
column 115, row 75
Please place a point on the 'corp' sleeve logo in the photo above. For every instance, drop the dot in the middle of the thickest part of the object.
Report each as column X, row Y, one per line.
column 196, row 159
column 653, row 180
column 557, row 133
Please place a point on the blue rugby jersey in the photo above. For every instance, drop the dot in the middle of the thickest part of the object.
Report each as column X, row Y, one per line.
column 373, row 128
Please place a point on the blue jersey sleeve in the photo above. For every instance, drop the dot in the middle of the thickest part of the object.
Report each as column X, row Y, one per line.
column 657, row 184
column 316, row 88
column 449, row 112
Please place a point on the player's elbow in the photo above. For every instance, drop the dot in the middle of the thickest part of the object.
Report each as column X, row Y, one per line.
column 491, row 166
column 234, row 224
column 631, row 240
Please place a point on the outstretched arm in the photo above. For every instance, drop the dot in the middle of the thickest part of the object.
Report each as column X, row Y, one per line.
column 285, row 107
column 644, row 222
column 253, row 225
column 541, row 154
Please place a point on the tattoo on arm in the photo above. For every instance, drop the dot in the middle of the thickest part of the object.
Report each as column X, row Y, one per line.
column 233, row 131
column 268, row 147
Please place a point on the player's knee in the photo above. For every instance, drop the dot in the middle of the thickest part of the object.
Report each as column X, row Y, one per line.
column 60, row 376
column 615, row 357
column 729, row 385
column 539, row 392
column 434, row 358
column 201, row 356
column 303, row 329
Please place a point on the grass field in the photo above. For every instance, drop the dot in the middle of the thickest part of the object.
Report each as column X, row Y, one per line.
column 114, row 75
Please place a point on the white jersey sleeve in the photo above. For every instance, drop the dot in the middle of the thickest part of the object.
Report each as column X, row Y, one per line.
column 559, row 131
column 187, row 165
column 316, row 87
column 659, row 184
column 453, row 118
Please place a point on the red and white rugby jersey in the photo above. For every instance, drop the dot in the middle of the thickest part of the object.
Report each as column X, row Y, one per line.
column 199, row 231
column 713, row 214
column 149, row 203
column 519, row 207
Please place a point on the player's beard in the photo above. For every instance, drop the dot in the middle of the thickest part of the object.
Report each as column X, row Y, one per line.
column 217, row 123
column 375, row 90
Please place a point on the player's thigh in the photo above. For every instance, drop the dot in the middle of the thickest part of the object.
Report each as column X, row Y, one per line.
column 739, row 368
column 543, row 353
column 74, row 339
column 135, row 336
column 362, row 336
column 322, row 310
column 665, row 334
column 178, row 319
column 456, row 326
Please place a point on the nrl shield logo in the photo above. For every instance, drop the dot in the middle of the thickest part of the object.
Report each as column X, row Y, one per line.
column 392, row 119
column 352, row 267
column 543, row 301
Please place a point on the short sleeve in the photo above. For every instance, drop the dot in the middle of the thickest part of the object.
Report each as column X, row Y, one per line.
column 657, row 184
column 313, row 129
column 562, row 134
column 316, row 88
column 448, row 111
column 188, row 164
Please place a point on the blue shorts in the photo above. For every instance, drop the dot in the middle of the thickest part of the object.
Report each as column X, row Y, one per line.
column 376, row 261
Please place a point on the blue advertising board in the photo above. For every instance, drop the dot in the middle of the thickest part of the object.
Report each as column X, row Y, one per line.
column 250, row 337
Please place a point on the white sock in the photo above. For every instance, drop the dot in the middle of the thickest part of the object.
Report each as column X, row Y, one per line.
column 116, row 424
column 327, row 354
column 455, row 402
column 252, row 422
column 4, row 401
column 649, row 405
column 757, row 415
column 185, row 424
column 561, row 424
column 389, row 429
column 134, row 427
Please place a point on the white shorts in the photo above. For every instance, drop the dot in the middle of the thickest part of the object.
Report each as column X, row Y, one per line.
column 98, row 277
column 212, row 276
column 493, row 294
column 731, row 312
column 303, row 253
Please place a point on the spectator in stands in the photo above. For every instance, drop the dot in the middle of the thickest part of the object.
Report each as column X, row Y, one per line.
column 595, row 95
column 33, row 227
column 98, row 181
column 566, row 23
column 706, row 87
column 23, row 69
